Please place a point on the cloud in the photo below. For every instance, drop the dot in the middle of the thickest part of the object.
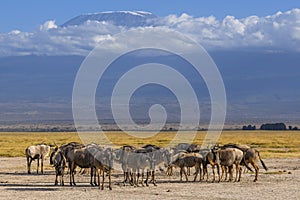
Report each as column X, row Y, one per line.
column 48, row 25
column 278, row 32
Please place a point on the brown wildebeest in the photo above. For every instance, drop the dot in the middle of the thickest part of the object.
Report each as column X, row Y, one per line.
column 226, row 158
column 251, row 156
column 188, row 160
column 83, row 158
column 59, row 162
column 229, row 157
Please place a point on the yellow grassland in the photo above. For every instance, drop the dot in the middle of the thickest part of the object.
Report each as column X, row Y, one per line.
column 272, row 144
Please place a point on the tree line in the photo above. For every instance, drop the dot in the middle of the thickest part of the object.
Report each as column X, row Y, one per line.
column 271, row 126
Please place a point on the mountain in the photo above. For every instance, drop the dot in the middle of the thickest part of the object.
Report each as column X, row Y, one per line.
column 260, row 87
column 118, row 18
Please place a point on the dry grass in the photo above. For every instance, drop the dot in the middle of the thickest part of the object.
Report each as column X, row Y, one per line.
column 272, row 144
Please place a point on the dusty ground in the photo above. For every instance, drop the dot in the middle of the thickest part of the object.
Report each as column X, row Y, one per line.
column 282, row 181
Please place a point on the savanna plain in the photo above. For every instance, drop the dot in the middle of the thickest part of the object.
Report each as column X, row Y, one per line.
column 280, row 151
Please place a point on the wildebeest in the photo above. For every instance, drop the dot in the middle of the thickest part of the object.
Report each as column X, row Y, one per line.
column 121, row 156
column 229, row 157
column 188, row 160
column 186, row 147
column 210, row 159
column 82, row 158
column 66, row 148
column 59, row 162
column 225, row 157
column 103, row 161
column 39, row 152
column 173, row 156
column 251, row 156
column 137, row 163
column 159, row 156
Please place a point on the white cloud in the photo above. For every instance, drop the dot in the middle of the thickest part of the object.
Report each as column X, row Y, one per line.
column 280, row 31
column 48, row 25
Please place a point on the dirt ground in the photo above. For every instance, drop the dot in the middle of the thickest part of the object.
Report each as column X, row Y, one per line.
column 282, row 181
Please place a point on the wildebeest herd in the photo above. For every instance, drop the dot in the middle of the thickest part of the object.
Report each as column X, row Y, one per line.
column 140, row 164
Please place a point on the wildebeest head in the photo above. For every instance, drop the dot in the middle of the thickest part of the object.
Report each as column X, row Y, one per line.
column 160, row 156
column 59, row 162
column 52, row 155
column 109, row 157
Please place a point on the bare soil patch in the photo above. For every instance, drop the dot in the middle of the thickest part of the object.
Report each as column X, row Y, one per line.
column 280, row 182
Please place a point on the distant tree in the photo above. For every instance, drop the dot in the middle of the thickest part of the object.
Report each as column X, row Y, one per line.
column 276, row 126
column 295, row 128
column 290, row 127
column 249, row 127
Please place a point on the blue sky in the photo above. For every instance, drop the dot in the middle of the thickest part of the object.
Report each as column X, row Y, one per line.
column 33, row 27
column 28, row 15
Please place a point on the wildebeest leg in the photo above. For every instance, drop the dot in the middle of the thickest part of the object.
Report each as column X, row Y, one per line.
column 42, row 165
column 95, row 176
column 73, row 173
column 188, row 171
column 214, row 175
column 38, row 165
column 62, row 179
column 181, row 170
column 223, row 169
column 131, row 178
column 147, row 178
column 70, row 173
column 109, row 179
column 103, row 177
column 256, row 171
column 198, row 171
column 125, row 177
column 226, row 173
column 125, row 173
column 153, row 178
column 134, row 177
column 196, row 174
column 205, row 171
column 218, row 171
column 226, row 169
column 237, row 172
column 98, row 175
column 230, row 173
column 185, row 173
column 172, row 172
column 240, row 173
column 168, row 171
column 138, row 177
column 143, row 178
column 91, row 179
column 56, row 181
column 29, row 160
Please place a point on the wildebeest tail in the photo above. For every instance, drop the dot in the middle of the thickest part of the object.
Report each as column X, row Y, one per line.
column 262, row 162
column 27, row 152
column 246, row 164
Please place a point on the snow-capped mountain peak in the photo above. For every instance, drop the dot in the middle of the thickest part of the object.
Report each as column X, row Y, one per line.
column 118, row 18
